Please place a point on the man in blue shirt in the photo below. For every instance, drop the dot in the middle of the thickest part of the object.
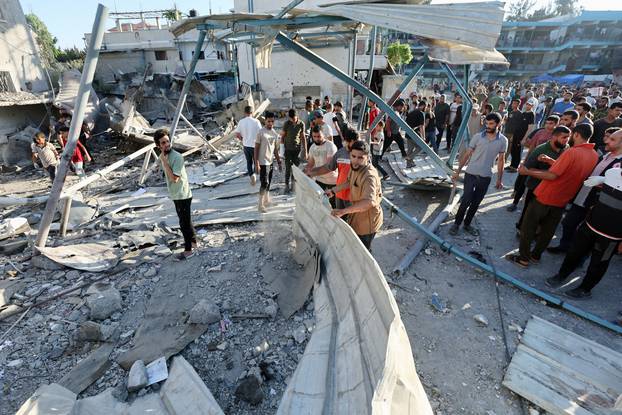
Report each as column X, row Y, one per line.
column 564, row 105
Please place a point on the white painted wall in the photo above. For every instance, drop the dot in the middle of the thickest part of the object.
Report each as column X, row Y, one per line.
column 19, row 54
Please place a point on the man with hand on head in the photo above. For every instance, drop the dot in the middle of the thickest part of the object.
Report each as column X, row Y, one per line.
column 178, row 188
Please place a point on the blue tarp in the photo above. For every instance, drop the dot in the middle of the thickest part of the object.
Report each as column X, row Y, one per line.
column 574, row 79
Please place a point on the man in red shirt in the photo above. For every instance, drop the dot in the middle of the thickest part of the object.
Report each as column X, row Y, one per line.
column 559, row 185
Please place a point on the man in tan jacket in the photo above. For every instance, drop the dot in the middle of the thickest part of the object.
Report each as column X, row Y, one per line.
column 365, row 213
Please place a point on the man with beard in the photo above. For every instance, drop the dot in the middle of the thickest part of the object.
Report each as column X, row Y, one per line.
column 178, row 188
column 341, row 163
column 293, row 137
column 321, row 153
column 611, row 120
column 588, row 195
column 569, row 118
column 535, row 139
column 535, row 160
column 564, row 105
column 365, row 212
column 483, row 149
column 265, row 150
column 559, row 185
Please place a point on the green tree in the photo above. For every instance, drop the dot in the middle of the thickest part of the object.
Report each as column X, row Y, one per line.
column 566, row 7
column 45, row 40
column 520, row 10
column 399, row 54
column 172, row 15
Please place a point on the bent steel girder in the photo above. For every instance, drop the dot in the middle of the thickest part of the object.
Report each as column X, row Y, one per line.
column 467, row 106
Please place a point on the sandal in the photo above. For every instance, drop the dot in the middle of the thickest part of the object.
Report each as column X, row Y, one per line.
column 518, row 260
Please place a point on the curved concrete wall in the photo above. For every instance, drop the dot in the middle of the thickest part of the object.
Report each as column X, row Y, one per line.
column 358, row 360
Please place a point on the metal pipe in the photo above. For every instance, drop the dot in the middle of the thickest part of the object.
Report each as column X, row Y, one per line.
column 82, row 99
column 421, row 242
column 372, row 55
column 351, row 74
column 186, row 88
column 409, row 78
column 467, row 106
column 339, row 74
column 500, row 274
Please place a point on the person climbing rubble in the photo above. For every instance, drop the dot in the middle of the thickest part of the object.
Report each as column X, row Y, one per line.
column 178, row 188
column 45, row 153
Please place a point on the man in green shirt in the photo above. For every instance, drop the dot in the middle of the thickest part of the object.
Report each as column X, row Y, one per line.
column 293, row 137
column 178, row 188
column 541, row 158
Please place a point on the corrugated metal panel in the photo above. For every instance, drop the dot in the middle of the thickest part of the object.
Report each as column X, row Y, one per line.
column 473, row 24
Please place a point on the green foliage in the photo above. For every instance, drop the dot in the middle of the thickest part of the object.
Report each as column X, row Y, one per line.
column 172, row 15
column 45, row 40
column 70, row 55
column 399, row 54
column 523, row 10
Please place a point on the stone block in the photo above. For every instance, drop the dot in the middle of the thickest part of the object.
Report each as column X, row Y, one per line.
column 204, row 312
column 104, row 303
column 88, row 370
column 185, row 393
column 137, row 378
column 8, row 288
column 49, row 399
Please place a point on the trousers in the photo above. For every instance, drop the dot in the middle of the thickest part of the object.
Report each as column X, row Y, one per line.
column 570, row 223
column 528, row 199
column 367, row 239
column 291, row 158
column 400, row 143
column 182, row 207
column 249, row 154
column 265, row 178
column 375, row 161
column 475, row 188
column 519, row 188
column 587, row 241
column 541, row 216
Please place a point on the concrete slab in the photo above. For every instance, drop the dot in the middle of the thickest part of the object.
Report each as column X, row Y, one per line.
column 88, row 370
column 49, row 399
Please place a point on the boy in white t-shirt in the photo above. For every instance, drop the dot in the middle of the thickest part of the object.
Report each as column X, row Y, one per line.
column 377, row 142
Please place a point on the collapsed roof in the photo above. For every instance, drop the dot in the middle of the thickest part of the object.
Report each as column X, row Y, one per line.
column 451, row 33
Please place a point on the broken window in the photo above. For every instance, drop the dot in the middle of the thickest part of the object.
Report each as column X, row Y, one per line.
column 201, row 55
column 160, row 55
column 181, row 56
column 6, row 83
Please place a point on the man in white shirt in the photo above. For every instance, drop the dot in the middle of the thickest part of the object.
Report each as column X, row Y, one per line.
column 328, row 120
column 247, row 130
column 320, row 154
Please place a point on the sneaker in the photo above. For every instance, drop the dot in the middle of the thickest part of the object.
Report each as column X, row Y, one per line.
column 454, row 230
column 517, row 260
column 556, row 250
column 578, row 294
column 253, row 180
column 534, row 258
column 182, row 256
column 511, row 208
column 555, row 282
column 471, row 230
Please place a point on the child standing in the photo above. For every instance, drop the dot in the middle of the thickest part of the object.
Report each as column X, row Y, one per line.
column 377, row 143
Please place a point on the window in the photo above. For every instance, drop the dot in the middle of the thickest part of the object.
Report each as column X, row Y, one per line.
column 160, row 55
column 201, row 55
column 181, row 56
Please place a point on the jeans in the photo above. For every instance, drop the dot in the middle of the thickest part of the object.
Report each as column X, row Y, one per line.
column 541, row 216
column 439, row 136
column 375, row 161
column 400, row 143
column 448, row 136
column 602, row 250
column 265, row 178
column 475, row 188
column 570, row 223
column 182, row 207
column 291, row 158
column 367, row 239
column 430, row 138
column 249, row 153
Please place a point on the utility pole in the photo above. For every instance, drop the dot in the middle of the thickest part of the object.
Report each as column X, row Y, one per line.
column 90, row 63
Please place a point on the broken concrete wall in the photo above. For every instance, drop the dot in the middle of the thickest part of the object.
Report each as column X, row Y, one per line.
column 359, row 358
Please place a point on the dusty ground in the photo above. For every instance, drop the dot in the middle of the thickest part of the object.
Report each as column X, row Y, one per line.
column 460, row 362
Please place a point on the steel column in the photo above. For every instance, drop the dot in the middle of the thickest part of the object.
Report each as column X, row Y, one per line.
column 409, row 78
column 82, row 99
column 467, row 106
column 336, row 72
column 351, row 74
column 186, row 88
column 372, row 55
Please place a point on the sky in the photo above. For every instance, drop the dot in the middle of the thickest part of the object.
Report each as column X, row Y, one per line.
column 68, row 20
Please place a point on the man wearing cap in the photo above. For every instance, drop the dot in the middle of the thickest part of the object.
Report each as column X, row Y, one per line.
column 365, row 212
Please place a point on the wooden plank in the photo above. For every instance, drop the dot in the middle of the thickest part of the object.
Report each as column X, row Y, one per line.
column 563, row 372
column 590, row 360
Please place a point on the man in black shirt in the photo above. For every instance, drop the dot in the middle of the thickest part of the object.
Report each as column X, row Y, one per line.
column 415, row 120
column 441, row 112
column 519, row 123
